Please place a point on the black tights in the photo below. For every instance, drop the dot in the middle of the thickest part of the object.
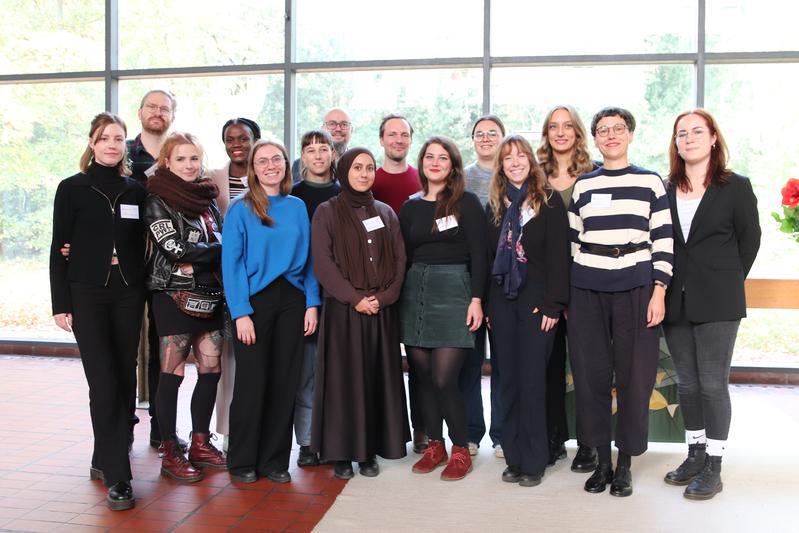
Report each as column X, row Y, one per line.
column 437, row 370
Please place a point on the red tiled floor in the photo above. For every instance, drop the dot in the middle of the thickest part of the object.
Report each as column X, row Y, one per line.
column 44, row 485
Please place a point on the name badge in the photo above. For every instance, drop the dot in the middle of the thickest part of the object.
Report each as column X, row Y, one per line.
column 373, row 223
column 129, row 211
column 445, row 223
column 601, row 201
column 527, row 214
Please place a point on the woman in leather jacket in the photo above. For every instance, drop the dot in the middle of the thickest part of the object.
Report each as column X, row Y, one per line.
column 97, row 292
column 184, row 272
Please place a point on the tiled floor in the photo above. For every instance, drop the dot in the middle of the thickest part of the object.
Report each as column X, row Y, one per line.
column 45, row 450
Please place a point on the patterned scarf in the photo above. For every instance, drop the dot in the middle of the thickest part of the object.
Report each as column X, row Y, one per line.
column 510, row 264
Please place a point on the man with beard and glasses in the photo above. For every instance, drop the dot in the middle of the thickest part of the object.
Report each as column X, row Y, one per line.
column 156, row 113
column 339, row 125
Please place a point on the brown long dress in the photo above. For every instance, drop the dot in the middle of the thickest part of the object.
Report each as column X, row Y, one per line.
column 359, row 406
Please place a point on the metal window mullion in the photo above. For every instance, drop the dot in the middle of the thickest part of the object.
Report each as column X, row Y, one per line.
column 289, row 76
column 111, row 55
column 700, row 55
column 486, row 57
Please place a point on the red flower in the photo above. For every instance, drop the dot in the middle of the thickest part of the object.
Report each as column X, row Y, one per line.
column 790, row 193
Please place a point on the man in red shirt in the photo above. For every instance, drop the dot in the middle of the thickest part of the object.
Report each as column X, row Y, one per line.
column 396, row 180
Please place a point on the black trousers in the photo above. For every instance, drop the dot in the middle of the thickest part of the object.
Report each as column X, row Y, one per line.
column 153, row 365
column 267, row 377
column 557, row 427
column 608, row 338
column 522, row 351
column 107, row 323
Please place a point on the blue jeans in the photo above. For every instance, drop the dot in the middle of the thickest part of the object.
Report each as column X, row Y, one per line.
column 470, row 382
column 303, row 401
column 702, row 355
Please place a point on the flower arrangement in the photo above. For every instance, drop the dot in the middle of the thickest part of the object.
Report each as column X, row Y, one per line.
column 789, row 223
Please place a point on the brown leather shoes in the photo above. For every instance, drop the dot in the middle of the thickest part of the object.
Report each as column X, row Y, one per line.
column 460, row 464
column 203, row 453
column 175, row 465
column 434, row 455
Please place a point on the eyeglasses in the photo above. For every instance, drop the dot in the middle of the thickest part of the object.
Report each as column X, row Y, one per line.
column 277, row 161
column 490, row 134
column 152, row 108
column 696, row 132
column 332, row 124
column 618, row 129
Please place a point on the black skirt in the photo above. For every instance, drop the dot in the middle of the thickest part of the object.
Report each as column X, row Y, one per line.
column 359, row 408
column 169, row 320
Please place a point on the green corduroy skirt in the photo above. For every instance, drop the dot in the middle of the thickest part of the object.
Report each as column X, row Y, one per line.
column 433, row 307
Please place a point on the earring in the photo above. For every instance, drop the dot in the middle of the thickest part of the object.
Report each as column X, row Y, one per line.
column 714, row 146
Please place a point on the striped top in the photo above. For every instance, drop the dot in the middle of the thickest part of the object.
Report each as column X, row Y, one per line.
column 618, row 208
column 237, row 185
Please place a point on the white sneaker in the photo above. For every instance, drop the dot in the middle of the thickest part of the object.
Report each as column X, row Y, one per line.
column 473, row 448
column 498, row 451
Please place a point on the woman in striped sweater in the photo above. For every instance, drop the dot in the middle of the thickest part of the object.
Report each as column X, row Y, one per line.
column 622, row 264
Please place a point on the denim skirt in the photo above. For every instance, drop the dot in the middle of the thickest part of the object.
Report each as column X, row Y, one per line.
column 433, row 306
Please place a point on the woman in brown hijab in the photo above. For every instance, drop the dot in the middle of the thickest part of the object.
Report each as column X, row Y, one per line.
column 359, row 259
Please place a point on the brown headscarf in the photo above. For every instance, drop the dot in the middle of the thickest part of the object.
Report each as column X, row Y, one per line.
column 349, row 243
column 189, row 197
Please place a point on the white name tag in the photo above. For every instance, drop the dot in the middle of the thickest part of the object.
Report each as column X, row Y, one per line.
column 129, row 211
column 373, row 223
column 601, row 201
column 527, row 214
column 445, row 223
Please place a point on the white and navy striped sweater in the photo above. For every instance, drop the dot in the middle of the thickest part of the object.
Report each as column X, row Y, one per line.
column 618, row 208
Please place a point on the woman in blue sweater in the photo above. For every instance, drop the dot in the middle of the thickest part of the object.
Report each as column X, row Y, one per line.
column 273, row 297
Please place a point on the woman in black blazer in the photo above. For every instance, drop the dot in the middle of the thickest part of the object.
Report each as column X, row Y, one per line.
column 716, row 239
column 98, row 293
column 529, row 232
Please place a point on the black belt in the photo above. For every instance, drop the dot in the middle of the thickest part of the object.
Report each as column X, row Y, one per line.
column 613, row 251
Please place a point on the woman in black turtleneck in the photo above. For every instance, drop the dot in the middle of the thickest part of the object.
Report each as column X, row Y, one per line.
column 97, row 292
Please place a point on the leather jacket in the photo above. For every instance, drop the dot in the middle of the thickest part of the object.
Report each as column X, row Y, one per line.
column 176, row 239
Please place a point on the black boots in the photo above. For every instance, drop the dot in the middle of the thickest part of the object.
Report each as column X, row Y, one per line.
column 585, row 460
column 708, row 482
column 120, row 497
column 600, row 479
column 689, row 468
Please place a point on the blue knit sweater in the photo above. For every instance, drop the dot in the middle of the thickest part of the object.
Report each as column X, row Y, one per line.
column 254, row 254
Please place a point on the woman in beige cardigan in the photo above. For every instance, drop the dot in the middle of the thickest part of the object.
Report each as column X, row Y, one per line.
column 238, row 134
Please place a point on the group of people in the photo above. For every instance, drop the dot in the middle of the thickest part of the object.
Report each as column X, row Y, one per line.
column 294, row 284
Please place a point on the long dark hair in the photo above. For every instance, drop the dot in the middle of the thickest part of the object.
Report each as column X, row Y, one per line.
column 449, row 197
column 717, row 171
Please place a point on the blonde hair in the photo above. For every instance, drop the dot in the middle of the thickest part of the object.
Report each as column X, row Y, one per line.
column 536, row 195
column 580, row 158
column 179, row 138
column 255, row 195
column 99, row 123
